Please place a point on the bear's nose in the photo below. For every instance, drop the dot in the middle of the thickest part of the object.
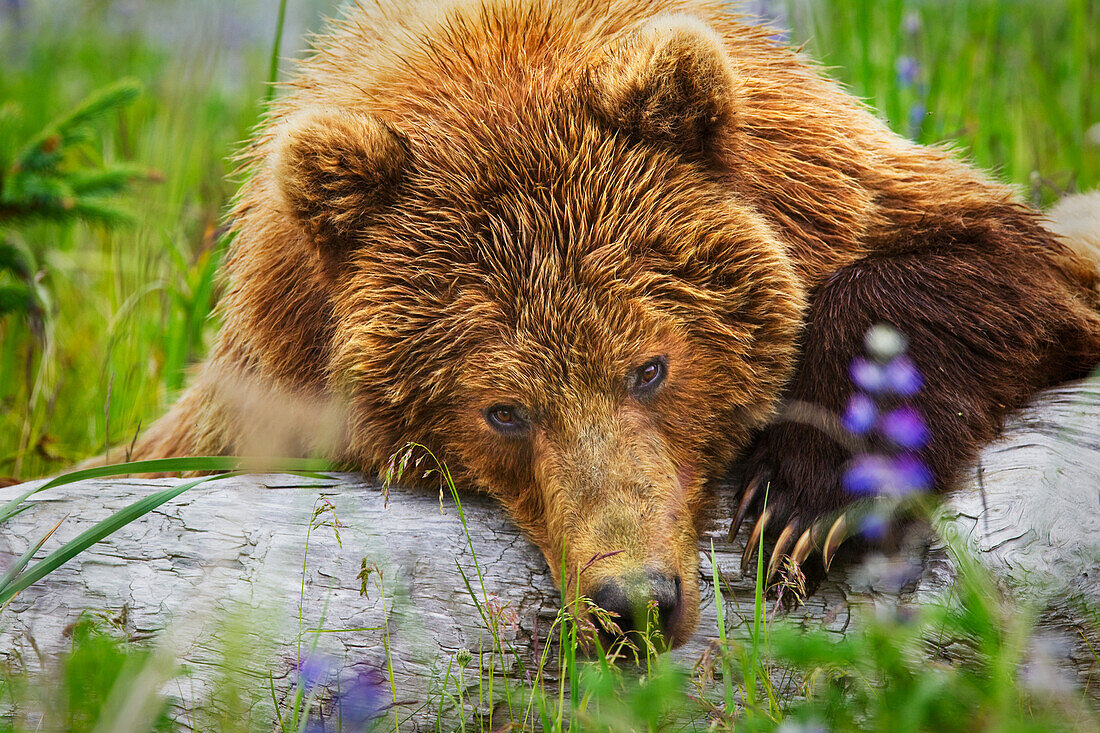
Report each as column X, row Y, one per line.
column 631, row 598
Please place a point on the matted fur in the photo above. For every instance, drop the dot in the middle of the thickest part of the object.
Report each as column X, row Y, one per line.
column 458, row 205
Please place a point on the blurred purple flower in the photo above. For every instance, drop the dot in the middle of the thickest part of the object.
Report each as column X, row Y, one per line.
column 884, row 342
column 911, row 23
column 908, row 474
column 901, row 377
column 361, row 700
column 907, row 69
column 871, row 474
column 904, row 427
column 314, row 670
column 860, row 415
column 866, row 474
column 867, row 375
column 873, row 527
column 917, row 114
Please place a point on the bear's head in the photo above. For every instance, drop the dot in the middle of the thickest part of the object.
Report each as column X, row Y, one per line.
column 546, row 281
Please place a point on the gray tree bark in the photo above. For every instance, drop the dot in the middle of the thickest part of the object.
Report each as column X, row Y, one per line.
column 227, row 565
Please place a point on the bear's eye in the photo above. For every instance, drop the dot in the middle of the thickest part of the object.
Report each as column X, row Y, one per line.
column 649, row 375
column 505, row 418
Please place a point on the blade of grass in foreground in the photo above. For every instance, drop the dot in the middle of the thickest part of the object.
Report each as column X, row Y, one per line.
column 17, row 567
column 93, row 535
column 303, row 466
column 723, row 644
column 13, row 581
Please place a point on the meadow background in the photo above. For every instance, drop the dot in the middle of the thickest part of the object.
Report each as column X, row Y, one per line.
column 115, row 315
column 122, row 312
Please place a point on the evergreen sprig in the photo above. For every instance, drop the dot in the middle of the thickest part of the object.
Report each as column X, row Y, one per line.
column 42, row 181
column 36, row 183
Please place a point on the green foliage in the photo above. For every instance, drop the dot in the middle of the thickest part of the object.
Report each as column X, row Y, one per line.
column 953, row 665
column 1013, row 84
column 43, row 180
column 83, row 689
column 120, row 313
column 36, row 183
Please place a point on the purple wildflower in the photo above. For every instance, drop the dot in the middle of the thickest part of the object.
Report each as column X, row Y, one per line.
column 361, row 700
column 908, row 474
column 907, row 69
column 868, row 376
column 871, row 474
column 884, row 375
column 901, row 377
column 873, row 527
column 904, row 427
column 860, row 415
column 314, row 670
column 911, row 23
column 866, row 474
column 917, row 114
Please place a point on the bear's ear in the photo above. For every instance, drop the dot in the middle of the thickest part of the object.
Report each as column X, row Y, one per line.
column 670, row 82
column 336, row 170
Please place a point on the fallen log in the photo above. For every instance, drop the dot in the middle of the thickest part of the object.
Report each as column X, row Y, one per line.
column 363, row 578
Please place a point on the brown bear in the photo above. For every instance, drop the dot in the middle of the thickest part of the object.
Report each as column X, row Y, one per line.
column 583, row 250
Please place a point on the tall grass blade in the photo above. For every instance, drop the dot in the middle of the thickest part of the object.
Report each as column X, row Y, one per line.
column 723, row 644
column 306, row 466
column 276, row 47
column 93, row 535
column 17, row 566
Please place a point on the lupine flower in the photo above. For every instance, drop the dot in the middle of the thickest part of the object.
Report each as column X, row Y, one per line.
column 909, row 475
column 904, row 427
column 861, row 414
column 917, row 113
column 314, row 670
column 898, row 376
column 873, row 527
column 867, row 375
column 911, row 23
column 876, row 475
column 901, row 377
column 356, row 705
column 885, row 374
column 361, row 700
column 867, row 474
column 907, row 69
column 884, row 342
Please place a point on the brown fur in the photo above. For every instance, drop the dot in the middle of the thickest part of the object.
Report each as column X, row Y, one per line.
column 522, row 202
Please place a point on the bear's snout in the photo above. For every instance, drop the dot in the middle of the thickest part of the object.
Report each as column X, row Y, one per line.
column 618, row 519
column 643, row 603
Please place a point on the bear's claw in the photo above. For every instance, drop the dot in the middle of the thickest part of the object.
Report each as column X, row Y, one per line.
column 834, row 539
column 805, row 545
column 754, row 539
column 746, row 502
column 779, row 551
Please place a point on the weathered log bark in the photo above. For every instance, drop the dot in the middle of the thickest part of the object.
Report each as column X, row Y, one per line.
column 1030, row 510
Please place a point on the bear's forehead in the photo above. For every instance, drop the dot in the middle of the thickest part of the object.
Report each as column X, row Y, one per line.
column 572, row 200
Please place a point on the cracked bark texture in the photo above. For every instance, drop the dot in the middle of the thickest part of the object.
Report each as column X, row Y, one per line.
column 234, row 552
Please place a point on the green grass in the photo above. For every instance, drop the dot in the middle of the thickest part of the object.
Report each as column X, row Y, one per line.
column 953, row 664
column 1012, row 84
column 131, row 304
